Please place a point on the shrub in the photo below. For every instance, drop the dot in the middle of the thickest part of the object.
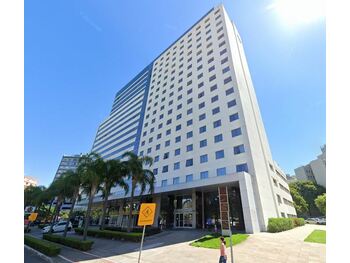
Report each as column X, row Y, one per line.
column 134, row 237
column 46, row 247
column 148, row 232
column 41, row 226
column 70, row 241
column 298, row 221
column 27, row 230
column 283, row 224
column 279, row 224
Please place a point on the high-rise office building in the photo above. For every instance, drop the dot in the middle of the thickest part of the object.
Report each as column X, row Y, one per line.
column 194, row 110
column 68, row 162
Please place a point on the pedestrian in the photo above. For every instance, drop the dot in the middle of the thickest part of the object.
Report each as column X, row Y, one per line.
column 223, row 256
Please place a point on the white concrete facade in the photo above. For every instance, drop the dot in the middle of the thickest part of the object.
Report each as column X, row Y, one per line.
column 314, row 171
column 202, row 124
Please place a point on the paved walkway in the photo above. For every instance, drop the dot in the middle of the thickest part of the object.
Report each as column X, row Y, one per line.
column 173, row 247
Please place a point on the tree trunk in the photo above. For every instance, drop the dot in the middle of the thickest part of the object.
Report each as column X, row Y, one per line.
column 105, row 202
column 69, row 216
column 88, row 212
column 48, row 213
column 130, row 212
column 57, row 210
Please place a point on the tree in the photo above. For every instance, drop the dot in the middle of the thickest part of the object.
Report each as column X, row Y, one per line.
column 113, row 175
column 139, row 176
column 308, row 190
column 72, row 182
column 91, row 168
column 299, row 202
column 320, row 202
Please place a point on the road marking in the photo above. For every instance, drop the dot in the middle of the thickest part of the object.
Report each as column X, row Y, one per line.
column 67, row 259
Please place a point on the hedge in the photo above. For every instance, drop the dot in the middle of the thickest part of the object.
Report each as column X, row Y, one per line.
column 283, row 224
column 27, row 230
column 148, row 232
column 41, row 226
column 70, row 241
column 46, row 247
column 134, row 237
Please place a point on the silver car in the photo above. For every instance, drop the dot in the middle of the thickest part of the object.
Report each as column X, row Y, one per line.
column 58, row 227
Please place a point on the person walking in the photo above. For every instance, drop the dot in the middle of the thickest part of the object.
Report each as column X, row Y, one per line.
column 223, row 256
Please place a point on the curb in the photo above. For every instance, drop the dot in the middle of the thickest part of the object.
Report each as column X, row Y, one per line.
column 46, row 258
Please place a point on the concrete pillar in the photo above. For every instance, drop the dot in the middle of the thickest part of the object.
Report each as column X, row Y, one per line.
column 248, row 203
column 157, row 200
column 194, row 215
column 203, row 218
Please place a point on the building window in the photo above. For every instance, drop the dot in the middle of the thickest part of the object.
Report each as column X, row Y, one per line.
column 189, row 178
column 238, row 149
column 219, row 154
column 211, row 78
column 149, row 150
column 159, row 135
column 168, row 132
column 166, row 155
column 167, row 143
column 156, row 159
column 178, row 127
column 189, row 111
column 178, row 139
column 203, row 158
column 202, row 129
column 217, row 123
column 227, row 80
column 189, row 162
column 201, row 105
column 242, row 168
column 225, row 70
column 229, row 91
column 189, row 134
column 203, row 143
column 214, row 87
column 164, row 183
column 189, row 147
column 215, row 98
column 200, row 95
column 204, row 175
column 155, row 171
column 236, row 132
column 165, row 169
column 231, row 103
column 216, row 110
column 177, row 166
column 218, row 138
column 234, row 117
column 157, row 147
column 176, row 180
column 189, row 122
column 177, row 152
column 179, row 116
column 202, row 117
column 221, row 171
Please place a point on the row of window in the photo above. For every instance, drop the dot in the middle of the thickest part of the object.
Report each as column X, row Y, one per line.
column 202, row 159
column 202, row 129
column 205, row 174
column 189, row 40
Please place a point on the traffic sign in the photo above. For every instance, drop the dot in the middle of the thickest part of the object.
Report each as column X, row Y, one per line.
column 32, row 217
column 146, row 214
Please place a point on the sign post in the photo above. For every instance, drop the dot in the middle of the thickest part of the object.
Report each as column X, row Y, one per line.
column 146, row 217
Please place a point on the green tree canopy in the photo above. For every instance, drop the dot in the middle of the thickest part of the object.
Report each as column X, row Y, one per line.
column 320, row 202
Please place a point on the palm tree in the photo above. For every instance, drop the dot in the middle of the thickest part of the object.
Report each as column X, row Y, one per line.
column 57, row 189
column 72, row 182
column 113, row 175
column 90, row 167
column 138, row 176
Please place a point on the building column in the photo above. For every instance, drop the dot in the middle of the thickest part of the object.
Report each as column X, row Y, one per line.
column 194, row 214
column 203, row 218
column 224, row 210
column 248, row 204
column 157, row 200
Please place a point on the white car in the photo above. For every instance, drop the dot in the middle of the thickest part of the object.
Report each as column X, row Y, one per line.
column 58, row 227
column 312, row 220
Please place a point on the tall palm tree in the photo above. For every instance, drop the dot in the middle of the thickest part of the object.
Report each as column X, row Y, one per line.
column 139, row 176
column 91, row 168
column 72, row 182
column 113, row 175
column 57, row 189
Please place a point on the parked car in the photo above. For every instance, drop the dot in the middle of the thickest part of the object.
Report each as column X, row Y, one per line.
column 321, row 221
column 58, row 227
column 312, row 220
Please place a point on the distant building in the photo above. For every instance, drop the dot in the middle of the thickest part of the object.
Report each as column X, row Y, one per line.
column 68, row 162
column 291, row 178
column 28, row 181
column 315, row 170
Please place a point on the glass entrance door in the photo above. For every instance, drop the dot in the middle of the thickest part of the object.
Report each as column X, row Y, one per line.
column 183, row 220
column 179, row 222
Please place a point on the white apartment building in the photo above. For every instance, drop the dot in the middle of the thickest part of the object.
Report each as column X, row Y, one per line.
column 314, row 171
column 194, row 110
column 30, row 181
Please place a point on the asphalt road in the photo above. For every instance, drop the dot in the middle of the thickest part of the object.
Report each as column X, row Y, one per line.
column 30, row 257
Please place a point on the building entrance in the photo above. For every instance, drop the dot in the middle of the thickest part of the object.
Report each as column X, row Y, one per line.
column 183, row 220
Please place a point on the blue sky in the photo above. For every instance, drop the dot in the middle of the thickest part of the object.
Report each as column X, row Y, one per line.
column 78, row 54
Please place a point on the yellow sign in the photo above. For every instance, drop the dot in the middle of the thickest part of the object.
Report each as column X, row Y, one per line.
column 146, row 214
column 32, row 217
